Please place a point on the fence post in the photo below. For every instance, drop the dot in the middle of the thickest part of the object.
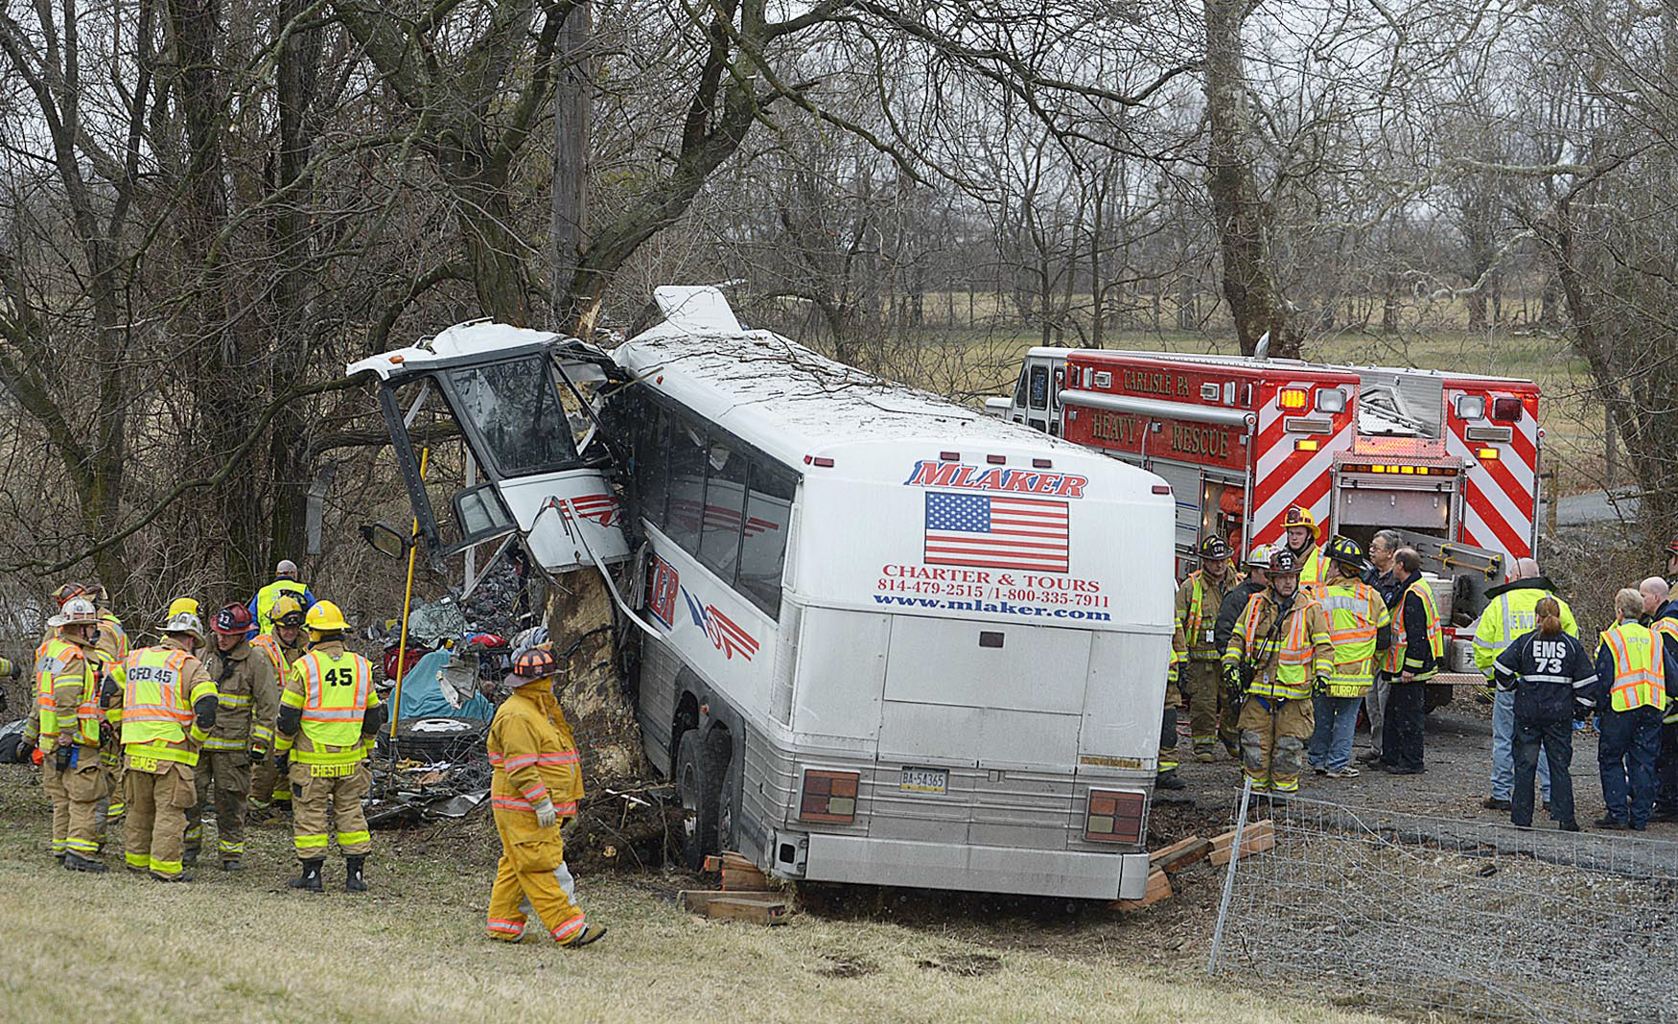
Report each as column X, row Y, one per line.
column 1229, row 875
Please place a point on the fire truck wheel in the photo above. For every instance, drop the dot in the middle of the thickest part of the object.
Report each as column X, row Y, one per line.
column 698, row 787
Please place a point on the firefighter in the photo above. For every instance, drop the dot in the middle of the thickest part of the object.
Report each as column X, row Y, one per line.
column 168, row 710
column 1234, row 603
column 282, row 646
column 66, row 727
column 1165, row 772
column 1379, row 575
column 1661, row 615
column 1511, row 612
column 1360, row 628
column 285, row 582
column 247, row 692
column 1194, row 655
column 1672, row 562
column 534, row 791
column 1554, row 683
column 1301, row 534
column 1418, row 644
column 1632, row 666
column 328, row 712
column 1279, row 653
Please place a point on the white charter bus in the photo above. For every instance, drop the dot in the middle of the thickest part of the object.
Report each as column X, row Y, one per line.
column 885, row 639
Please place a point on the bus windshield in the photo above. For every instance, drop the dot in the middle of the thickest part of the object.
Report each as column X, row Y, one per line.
column 515, row 408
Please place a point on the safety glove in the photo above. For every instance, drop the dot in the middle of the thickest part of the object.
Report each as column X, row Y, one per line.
column 1232, row 680
column 546, row 815
column 61, row 757
column 1319, row 687
column 280, row 760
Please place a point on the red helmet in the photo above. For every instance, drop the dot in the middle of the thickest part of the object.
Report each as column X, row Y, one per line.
column 233, row 620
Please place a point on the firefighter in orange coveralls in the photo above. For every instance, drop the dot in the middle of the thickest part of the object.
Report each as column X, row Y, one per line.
column 534, row 791
column 1281, row 654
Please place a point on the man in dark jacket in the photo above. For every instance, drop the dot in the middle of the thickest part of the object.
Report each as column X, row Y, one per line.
column 1412, row 660
column 1553, row 682
column 1234, row 603
column 1661, row 615
column 1379, row 575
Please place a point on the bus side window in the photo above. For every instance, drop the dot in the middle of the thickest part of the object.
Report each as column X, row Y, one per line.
column 764, row 548
column 1054, row 394
column 1039, row 387
column 1019, row 387
column 687, row 484
column 652, row 461
column 725, row 502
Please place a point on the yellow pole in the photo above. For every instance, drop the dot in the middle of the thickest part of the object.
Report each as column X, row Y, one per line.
column 407, row 604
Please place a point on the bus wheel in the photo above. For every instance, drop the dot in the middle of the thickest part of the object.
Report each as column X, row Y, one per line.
column 698, row 787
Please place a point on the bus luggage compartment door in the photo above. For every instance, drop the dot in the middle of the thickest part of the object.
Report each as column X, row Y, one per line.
column 994, row 707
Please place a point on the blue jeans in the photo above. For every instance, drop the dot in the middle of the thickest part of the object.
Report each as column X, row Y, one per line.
column 1503, row 750
column 1331, row 738
column 1631, row 741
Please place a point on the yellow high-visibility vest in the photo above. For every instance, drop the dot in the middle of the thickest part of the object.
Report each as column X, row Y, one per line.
column 58, row 657
column 1435, row 634
column 336, row 693
column 1356, row 614
column 266, row 597
column 156, row 712
column 1639, row 674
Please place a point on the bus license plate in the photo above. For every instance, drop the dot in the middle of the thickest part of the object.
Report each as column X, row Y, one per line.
column 924, row 780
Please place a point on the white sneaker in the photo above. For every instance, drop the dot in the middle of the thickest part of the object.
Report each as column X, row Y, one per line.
column 1347, row 772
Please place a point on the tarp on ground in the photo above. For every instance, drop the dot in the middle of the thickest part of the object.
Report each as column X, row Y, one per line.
column 441, row 684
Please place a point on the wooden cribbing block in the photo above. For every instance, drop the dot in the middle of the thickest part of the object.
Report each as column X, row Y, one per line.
column 1159, row 888
column 755, row 908
column 1179, row 855
column 1257, row 838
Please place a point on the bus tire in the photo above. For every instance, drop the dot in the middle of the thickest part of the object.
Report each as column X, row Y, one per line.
column 698, row 788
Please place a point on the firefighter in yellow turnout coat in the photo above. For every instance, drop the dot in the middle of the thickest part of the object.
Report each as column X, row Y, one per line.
column 328, row 712
column 534, row 791
column 66, row 726
column 168, row 709
column 1279, row 654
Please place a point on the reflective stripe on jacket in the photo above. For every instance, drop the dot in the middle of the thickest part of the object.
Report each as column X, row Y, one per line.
column 1510, row 614
column 1192, row 637
column 1415, row 649
column 66, row 695
column 262, row 605
column 1356, row 616
column 247, row 696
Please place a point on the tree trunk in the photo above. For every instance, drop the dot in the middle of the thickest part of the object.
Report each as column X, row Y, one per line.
column 568, row 220
column 1242, row 219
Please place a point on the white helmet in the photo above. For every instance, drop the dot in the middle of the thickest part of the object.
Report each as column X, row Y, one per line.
column 183, row 622
column 78, row 611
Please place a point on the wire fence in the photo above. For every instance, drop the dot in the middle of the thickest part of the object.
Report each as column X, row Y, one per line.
column 1420, row 915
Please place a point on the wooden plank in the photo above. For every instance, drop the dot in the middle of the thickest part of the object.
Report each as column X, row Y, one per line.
column 1258, row 837
column 1159, row 889
column 746, row 880
column 736, row 906
column 1180, row 855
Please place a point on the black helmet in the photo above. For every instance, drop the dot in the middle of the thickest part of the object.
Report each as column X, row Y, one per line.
column 1346, row 551
column 1214, row 549
column 1284, row 563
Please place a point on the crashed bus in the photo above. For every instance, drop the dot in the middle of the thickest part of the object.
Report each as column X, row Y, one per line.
column 883, row 639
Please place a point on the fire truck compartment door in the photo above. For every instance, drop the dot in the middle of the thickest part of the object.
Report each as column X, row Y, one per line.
column 1185, row 491
column 1384, row 507
column 987, row 694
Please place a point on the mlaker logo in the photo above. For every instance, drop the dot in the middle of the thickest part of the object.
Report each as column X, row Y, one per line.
column 725, row 634
column 928, row 473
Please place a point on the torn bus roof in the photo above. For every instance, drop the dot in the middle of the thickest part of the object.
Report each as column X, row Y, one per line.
column 473, row 338
column 795, row 400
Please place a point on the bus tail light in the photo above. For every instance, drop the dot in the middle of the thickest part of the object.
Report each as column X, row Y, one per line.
column 818, row 460
column 828, row 797
column 1114, row 816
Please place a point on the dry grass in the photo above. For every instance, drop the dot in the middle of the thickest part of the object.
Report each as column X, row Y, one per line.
column 244, row 948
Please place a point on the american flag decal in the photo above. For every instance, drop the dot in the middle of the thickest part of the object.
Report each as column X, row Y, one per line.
column 725, row 634
column 602, row 508
column 691, row 515
column 996, row 532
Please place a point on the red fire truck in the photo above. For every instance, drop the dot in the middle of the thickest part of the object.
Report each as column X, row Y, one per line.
column 1444, row 455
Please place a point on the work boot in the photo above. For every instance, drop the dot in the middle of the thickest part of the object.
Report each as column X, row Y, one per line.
column 1370, row 757
column 1169, row 780
column 60, row 858
column 231, row 864
column 354, row 882
column 309, row 880
column 190, row 856
column 184, row 876
column 76, row 862
column 1233, row 749
column 1206, row 755
column 1611, row 823
column 590, row 933
column 1492, row 803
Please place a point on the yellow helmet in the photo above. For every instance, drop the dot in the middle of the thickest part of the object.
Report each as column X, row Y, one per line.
column 324, row 617
column 188, row 605
column 287, row 611
column 1298, row 515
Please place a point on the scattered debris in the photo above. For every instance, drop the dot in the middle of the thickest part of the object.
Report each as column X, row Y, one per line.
column 747, row 894
column 1180, row 855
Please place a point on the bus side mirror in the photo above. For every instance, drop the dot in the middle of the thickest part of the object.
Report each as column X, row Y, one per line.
column 385, row 540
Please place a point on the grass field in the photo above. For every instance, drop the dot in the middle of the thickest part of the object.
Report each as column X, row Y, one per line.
column 122, row 948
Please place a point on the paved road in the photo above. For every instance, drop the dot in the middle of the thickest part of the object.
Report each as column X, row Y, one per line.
column 1595, row 507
